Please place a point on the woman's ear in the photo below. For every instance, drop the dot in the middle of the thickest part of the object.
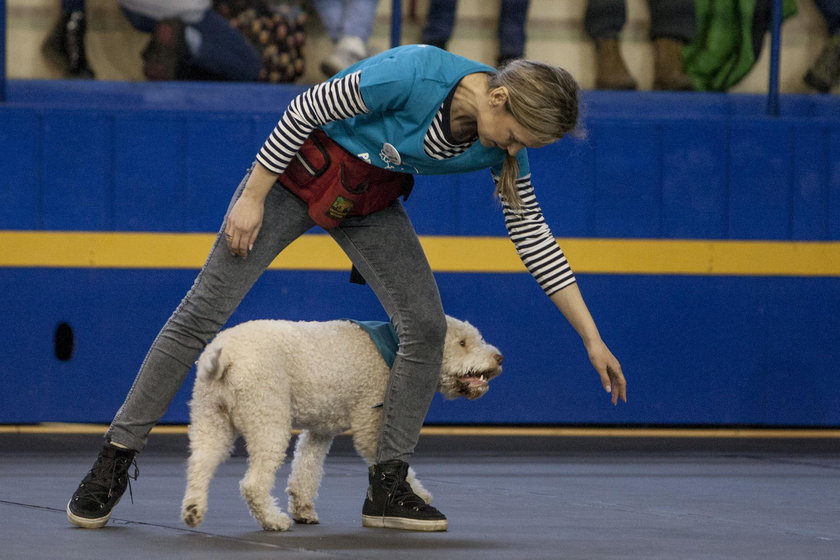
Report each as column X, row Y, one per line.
column 498, row 96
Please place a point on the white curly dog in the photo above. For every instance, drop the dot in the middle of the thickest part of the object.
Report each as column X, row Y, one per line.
column 261, row 379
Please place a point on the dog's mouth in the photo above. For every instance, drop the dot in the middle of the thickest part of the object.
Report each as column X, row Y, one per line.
column 475, row 383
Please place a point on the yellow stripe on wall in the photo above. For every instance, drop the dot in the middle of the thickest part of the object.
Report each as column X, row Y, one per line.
column 61, row 249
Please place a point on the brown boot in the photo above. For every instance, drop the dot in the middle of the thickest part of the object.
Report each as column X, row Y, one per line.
column 612, row 73
column 668, row 73
column 164, row 56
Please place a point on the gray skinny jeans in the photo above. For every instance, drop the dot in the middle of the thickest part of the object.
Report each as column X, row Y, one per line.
column 384, row 248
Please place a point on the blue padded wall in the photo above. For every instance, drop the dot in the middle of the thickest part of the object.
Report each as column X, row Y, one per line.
column 698, row 349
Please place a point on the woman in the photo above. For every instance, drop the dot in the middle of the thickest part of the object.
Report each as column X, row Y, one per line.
column 347, row 147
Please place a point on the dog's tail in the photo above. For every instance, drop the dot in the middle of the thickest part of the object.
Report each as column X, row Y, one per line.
column 209, row 366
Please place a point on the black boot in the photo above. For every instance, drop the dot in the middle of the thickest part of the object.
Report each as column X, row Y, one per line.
column 91, row 504
column 65, row 45
column 392, row 504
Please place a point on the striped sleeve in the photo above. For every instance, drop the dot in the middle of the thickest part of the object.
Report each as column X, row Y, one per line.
column 535, row 243
column 326, row 102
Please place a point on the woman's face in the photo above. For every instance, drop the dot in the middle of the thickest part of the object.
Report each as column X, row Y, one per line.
column 498, row 129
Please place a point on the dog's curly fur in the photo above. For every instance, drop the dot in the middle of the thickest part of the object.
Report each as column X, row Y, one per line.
column 263, row 378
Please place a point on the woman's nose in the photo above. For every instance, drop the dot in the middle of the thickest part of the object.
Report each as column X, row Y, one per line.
column 513, row 149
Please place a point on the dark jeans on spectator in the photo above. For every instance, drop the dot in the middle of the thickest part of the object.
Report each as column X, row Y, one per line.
column 830, row 10
column 72, row 5
column 440, row 20
column 673, row 19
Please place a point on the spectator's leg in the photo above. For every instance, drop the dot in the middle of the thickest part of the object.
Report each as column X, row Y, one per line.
column 830, row 10
column 825, row 72
column 359, row 16
column 350, row 32
column 165, row 55
column 603, row 22
column 512, row 17
column 672, row 25
column 64, row 47
column 440, row 20
column 330, row 13
column 604, row 19
column 216, row 47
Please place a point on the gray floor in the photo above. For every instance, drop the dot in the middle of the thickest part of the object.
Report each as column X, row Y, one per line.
column 506, row 498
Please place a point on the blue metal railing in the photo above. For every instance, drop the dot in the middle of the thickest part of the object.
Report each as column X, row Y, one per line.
column 2, row 51
column 396, row 23
column 396, row 32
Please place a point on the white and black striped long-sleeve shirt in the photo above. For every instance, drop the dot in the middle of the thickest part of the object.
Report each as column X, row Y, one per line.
column 341, row 99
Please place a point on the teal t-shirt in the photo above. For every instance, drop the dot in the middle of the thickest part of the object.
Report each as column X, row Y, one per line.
column 403, row 89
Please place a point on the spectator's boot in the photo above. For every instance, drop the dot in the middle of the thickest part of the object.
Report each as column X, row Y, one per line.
column 391, row 503
column 91, row 504
column 64, row 47
column 612, row 73
column 825, row 72
column 166, row 53
column 668, row 73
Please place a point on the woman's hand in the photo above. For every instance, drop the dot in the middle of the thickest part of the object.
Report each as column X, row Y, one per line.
column 243, row 224
column 245, row 218
column 570, row 302
column 609, row 369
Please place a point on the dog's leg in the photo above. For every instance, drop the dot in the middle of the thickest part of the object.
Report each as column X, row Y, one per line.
column 211, row 441
column 266, row 440
column 418, row 488
column 307, row 471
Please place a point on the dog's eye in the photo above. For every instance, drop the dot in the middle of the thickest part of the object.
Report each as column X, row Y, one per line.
column 463, row 342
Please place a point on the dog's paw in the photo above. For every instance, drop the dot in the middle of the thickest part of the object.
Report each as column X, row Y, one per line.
column 193, row 515
column 307, row 517
column 301, row 509
column 278, row 522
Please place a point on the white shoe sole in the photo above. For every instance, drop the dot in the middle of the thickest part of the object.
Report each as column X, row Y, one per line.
column 85, row 522
column 379, row 522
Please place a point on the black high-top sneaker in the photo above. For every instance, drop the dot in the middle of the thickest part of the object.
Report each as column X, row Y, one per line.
column 391, row 503
column 91, row 504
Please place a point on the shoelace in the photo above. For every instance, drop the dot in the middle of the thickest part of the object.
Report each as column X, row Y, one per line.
column 104, row 474
column 402, row 494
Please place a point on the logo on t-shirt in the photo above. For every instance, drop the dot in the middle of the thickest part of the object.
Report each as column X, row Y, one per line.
column 390, row 155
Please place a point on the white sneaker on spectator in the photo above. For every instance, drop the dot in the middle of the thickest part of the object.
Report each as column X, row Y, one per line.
column 349, row 50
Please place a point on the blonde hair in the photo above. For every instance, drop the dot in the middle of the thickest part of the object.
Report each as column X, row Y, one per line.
column 543, row 99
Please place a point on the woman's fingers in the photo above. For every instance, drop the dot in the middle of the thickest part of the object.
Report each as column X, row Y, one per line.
column 237, row 243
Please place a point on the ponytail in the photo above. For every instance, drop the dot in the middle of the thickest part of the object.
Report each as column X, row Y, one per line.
column 506, row 189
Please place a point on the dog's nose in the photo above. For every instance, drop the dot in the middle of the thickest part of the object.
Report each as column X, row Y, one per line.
column 499, row 358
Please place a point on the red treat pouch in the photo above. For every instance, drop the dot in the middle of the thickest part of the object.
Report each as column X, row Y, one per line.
column 335, row 184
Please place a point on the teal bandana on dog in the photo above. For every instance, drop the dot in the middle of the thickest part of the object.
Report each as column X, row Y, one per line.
column 384, row 337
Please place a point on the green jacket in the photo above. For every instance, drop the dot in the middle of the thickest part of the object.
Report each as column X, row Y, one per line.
column 728, row 42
